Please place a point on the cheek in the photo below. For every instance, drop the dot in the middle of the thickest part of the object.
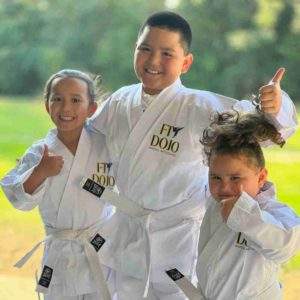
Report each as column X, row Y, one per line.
column 174, row 69
column 213, row 187
column 139, row 58
column 251, row 187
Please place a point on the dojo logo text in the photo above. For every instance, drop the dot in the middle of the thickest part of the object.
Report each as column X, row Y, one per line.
column 241, row 242
column 101, row 176
column 165, row 140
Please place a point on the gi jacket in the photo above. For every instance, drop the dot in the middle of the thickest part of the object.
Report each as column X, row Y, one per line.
column 158, row 164
column 63, row 204
column 240, row 260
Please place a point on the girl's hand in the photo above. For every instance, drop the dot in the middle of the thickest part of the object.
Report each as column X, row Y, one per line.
column 227, row 204
column 50, row 164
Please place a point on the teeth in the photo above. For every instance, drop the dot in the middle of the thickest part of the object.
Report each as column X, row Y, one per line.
column 152, row 71
column 66, row 118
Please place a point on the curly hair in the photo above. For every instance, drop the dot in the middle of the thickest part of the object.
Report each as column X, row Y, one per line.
column 231, row 133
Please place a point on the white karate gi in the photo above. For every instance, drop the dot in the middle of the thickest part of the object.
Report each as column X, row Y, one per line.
column 72, row 216
column 158, row 164
column 240, row 260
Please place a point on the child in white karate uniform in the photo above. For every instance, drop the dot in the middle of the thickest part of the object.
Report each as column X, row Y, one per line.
column 246, row 233
column 152, row 132
column 49, row 176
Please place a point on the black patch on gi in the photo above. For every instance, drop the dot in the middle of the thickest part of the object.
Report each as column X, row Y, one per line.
column 97, row 242
column 93, row 187
column 174, row 274
column 46, row 276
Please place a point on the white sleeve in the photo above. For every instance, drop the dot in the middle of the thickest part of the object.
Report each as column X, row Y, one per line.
column 99, row 121
column 285, row 121
column 274, row 231
column 12, row 183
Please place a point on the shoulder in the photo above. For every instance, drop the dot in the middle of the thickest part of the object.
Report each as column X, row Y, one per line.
column 205, row 99
column 124, row 92
column 36, row 148
column 95, row 136
column 32, row 154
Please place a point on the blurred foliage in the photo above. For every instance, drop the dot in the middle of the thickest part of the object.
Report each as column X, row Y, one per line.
column 237, row 44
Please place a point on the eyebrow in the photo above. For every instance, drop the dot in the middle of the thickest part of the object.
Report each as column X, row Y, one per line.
column 164, row 49
column 59, row 94
column 168, row 49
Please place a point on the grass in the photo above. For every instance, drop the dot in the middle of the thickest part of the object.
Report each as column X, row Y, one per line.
column 23, row 121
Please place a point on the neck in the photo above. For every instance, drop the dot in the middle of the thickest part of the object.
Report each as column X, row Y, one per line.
column 70, row 140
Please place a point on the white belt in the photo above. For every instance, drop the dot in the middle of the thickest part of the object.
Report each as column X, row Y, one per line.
column 83, row 238
column 132, row 209
column 185, row 285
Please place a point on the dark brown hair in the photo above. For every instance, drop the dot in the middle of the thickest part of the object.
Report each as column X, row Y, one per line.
column 231, row 133
column 173, row 22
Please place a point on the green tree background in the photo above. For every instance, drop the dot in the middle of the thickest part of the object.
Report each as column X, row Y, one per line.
column 237, row 44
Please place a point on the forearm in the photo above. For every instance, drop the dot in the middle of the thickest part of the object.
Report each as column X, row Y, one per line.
column 269, row 235
column 13, row 187
column 286, row 118
column 36, row 178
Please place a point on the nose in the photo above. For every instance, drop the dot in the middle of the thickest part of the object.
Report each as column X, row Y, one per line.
column 154, row 58
column 225, row 188
column 66, row 105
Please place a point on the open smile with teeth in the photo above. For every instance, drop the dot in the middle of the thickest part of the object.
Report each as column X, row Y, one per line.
column 66, row 118
column 152, row 72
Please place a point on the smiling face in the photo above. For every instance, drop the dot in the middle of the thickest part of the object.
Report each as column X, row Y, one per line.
column 160, row 59
column 69, row 105
column 229, row 174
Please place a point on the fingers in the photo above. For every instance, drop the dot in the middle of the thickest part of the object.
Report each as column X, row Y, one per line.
column 278, row 76
column 270, row 87
column 46, row 150
column 239, row 190
column 59, row 160
column 270, row 97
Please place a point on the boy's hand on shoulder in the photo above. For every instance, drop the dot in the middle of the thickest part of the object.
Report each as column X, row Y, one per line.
column 50, row 164
column 270, row 94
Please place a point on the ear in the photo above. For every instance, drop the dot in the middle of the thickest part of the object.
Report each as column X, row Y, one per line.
column 188, row 60
column 92, row 108
column 262, row 177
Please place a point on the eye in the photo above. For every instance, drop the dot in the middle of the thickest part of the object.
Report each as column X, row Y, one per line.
column 167, row 54
column 55, row 98
column 76, row 100
column 143, row 48
column 235, row 178
column 214, row 177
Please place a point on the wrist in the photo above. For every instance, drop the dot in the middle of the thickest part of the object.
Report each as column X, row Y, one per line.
column 40, row 172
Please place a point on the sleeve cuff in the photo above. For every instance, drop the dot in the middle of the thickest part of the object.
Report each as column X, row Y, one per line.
column 240, row 214
column 26, row 200
column 286, row 116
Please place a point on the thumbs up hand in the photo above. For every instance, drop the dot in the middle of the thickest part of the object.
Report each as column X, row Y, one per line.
column 270, row 94
column 50, row 164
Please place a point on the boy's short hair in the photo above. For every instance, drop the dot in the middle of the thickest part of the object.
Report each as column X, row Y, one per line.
column 172, row 22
